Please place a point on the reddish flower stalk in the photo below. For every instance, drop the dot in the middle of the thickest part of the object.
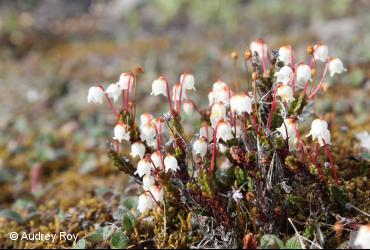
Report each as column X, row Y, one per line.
column 109, row 102
column 321, row 82
column 168, row 95
column 158, row 137
column 117, row 147
column 180, row 97
column 263, row 56
column 156, row 202
column 211, row 170
column 331, row 162
column 128, row 91
column 291, row 56
column 273, row 107
column 147, row 157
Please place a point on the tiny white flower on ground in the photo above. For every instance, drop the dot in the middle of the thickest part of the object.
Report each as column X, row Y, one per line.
column 223, row 131
column 319, row 130
column 188, row 83
column 121, row 132
column 159, row 87
column 286, row 93
column 147, row 132
column 303, row 74
column 285, row 55
column 170, row 163
column 157, row 193
column 284, row 75
column 321, row 52
column 125, row 81
column 157, row 159
column 218, row 112
column 260, row 47
column 206, row 131
column 146, row 118
column 148, row 181
column 237, row 195
column 363, row 237
column 95, row 95
column 138, row 149
column 364, row 138
column 145, row 202
column 336, row 66
column 144, row 167
column 200, row 147
column 240, row 104
column 113, row 91
column 287, row 131
column 188, row 107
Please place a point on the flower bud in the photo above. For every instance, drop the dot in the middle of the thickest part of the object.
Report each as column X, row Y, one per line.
column 121, row 132
column 234, row 55
column 218, row 86
column 170, row 163
column 113, row 91
column 200, row 147
column 125, row 81
column 145, row 202
column 319, row 130
column 138, row 149
column 241, row 103
column 284, row 75
column 159, row 87
column 189, row 82
column 336, row 66
column 248, row 54
column 95, row 95
column 303, row 74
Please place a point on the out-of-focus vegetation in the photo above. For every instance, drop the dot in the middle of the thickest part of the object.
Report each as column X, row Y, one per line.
column 54, row 172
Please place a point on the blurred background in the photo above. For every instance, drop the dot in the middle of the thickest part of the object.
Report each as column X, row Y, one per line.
column 52, row 51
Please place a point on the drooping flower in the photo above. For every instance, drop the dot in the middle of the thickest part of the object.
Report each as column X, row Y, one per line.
column 303, row 74
column 285, row 55
column 121, row 132
column 218, row 112
column 145, row 202
column 157, row 159
column 188, row 83
column 146, row 118
column 170, row 163
column 284, row 75
column 159, row 87
column 319, row 130
column 224, row 131
column 200, row 147
column 362, row 238
column 157, row 193
column 336, row 66
column 223, row 95
column 260, row 47
column 176, row 92
column 286, row 93
column 241, row 103
column 148, row 181
column 287, row 131
column 320, row 52
column 95, row 95
column 125, row 81
column 147, row 132
column 206, row 132
column 113, row 91
column 138, row 149
column 144, row 167
column 218, row 86
column 188, row 107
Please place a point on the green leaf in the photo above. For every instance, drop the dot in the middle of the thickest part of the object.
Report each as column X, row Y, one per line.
column 107, row 232
column 11, row 214
column 97, row 236
column 130, row 202
column 119, row 240
column 339, row 195
column 81, row 244
column 270, row 241
column 128, row 222
column 293, row 243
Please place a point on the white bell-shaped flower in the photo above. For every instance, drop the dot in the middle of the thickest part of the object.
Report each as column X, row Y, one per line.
column 121, row 132
column 218, row 112
column 218, row 86
column 284, row 75
column 176, row 92
column 206, row 131
column 95, row 95
column 148, row 181
column 260, row 47
column 159, row 87
column 157, row 193
column 200, row 147
column 336, row 66
column 319, row 130
column 223, row 95
column 285, row 55
column 362, row 238
column 126, row 80
column 147, row 132
column 157, row 159
column 303, row 74
column 224, row 131
column 188, row 81
column 170, row 163
column 146, row 118
column 144, row 167
column 137, row 149
column 320, row 52
column 241, row 103
column 287, row 131
column 113, row 91
column 145, row 202
column 286, row 93
column 188, row 107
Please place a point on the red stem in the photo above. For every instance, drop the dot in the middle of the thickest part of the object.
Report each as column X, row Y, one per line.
column 214, row 149
column 168, row 95
column 128, row 91
column 331, row 162
column 291, row 56
column 179, row 102
column 272, row 108
column 321, row 82
column 109, row 102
